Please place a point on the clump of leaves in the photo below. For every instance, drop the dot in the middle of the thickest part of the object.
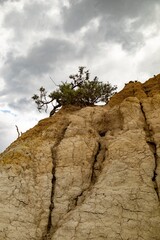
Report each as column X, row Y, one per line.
column 81, row 91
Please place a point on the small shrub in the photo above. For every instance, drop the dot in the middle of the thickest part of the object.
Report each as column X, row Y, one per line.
column 81, row 91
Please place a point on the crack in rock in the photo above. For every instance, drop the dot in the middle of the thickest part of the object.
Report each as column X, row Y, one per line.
column 153, row 148
column 47, row 235
column 79, row 199
column 93, row 176
column 96, row 170
column 98, row 160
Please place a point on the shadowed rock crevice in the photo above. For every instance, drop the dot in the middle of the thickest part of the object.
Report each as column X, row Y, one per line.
column 102, row 133
column 153, row 148
column 47, row 235
column 96, row 170
column 51, row 207
column 98, row 161
column 93, row 177
column 76, row 199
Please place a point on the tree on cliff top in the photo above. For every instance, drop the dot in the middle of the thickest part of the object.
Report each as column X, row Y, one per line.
column 81, row 91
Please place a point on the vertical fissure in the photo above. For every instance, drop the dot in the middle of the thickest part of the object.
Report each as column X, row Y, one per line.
column 51, row 207
column 96, row 170
column 47, row 235
column 153, row 148
column 98, row 160
column 93, row 176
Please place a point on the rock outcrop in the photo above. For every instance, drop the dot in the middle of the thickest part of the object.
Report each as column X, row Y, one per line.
column 91, row 173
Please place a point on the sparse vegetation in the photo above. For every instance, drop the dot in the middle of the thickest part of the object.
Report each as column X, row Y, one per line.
column 81, row 91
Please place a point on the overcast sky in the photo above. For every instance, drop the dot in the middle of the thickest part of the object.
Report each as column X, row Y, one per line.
column 118, row 40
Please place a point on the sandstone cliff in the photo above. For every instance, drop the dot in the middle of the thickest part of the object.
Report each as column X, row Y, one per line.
column 91, row 173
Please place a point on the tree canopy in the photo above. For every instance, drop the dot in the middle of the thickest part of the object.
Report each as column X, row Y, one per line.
column 81, row 91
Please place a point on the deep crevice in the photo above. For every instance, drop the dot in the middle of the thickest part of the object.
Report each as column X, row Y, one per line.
column 76, row 199
column 93, row 176
column 51, row 207
column 102, row 133
column 153, row 148
column 47, row 235
column 98, row 161
column 96, row 169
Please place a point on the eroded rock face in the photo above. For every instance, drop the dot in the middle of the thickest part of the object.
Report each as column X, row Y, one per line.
column 84, row 174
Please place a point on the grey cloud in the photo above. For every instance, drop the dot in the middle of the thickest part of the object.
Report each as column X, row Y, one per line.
column 32, row 17
column 83, row 11
column 22, row 104
column 112, row 33
column 42, row 59
column 120, row 20
column 3, row 1
column 129, row 39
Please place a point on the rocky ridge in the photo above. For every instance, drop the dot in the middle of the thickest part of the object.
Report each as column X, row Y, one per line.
column 90, row 173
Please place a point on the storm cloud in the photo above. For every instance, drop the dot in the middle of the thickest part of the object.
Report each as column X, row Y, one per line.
column 4, row 1
column 40, row 59
column 120, row 21
column 30, row 19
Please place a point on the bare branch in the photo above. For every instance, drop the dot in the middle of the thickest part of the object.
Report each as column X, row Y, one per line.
column 19, row 134
column 53, row 81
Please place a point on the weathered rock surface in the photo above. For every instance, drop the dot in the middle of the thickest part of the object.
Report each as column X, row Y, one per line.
column 91, row 173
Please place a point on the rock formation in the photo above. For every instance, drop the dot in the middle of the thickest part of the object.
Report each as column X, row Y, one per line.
column 90, row 173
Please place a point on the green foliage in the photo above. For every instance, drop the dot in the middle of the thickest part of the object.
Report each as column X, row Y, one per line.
column 81, row 91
